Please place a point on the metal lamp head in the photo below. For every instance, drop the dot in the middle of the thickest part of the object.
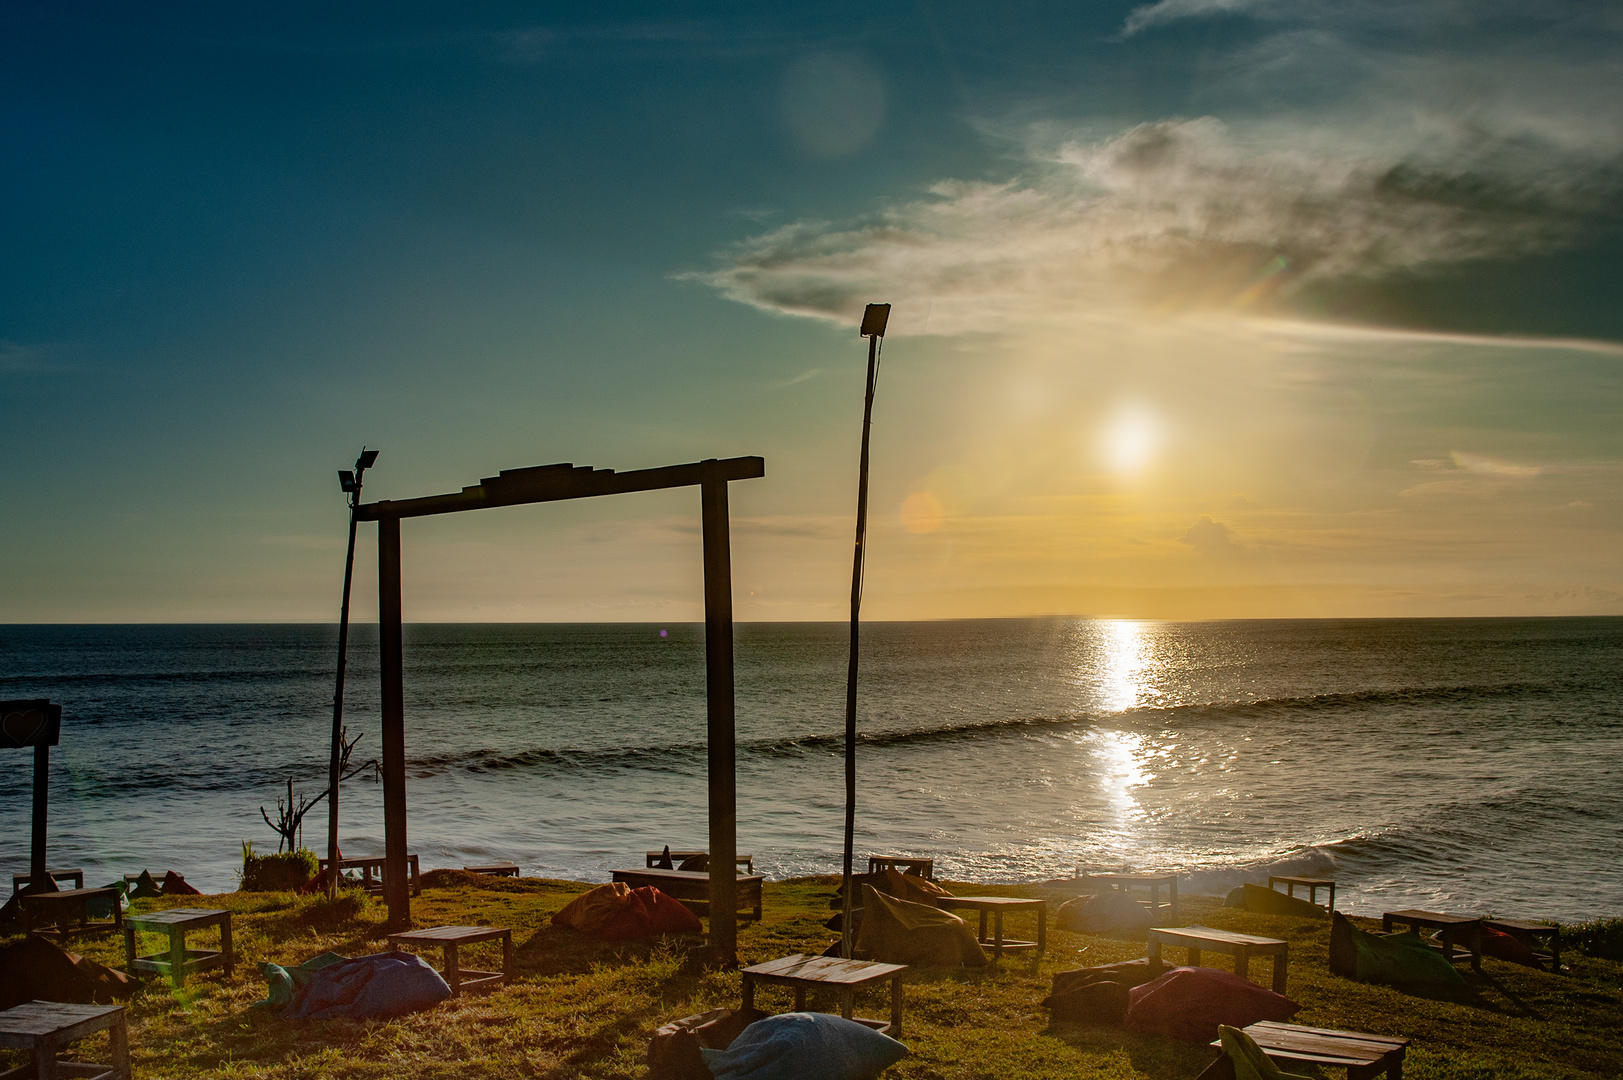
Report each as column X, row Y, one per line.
column 874, row 320
column 346, row 480
column 367, row 459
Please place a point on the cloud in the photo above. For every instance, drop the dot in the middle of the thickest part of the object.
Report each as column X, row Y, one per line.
column 1214, row 542
column 1169, row 216
column 1166, row 11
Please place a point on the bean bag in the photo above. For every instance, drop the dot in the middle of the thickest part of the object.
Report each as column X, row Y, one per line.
column 1129, row 973
column 1102, row 1003
column 1249, row 1062
column 368, row 988
column 617, row 912
column 144, row 888
column 1509, row 947
column 1263, row 901
column 899, row 932
column 282, row 982
column 101, row 907
column 1113, row 913
column 673, row 1052
column 175, row 885
column 697, row 863
column 36, row 969
column 909, row 887
column 805, row 1046
column 1395, row 959
column 1188, row 1003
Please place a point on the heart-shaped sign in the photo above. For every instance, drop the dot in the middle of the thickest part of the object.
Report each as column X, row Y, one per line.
column 20, row 727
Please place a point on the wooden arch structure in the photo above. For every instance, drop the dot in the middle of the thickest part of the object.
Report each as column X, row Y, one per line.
column 554, row 483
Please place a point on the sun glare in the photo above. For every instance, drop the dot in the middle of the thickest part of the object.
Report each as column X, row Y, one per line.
column 1130, row 441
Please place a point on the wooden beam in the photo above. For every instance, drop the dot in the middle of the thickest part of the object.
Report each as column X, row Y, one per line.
column 42, row 807
column 392, row 670
column 553, row 483
column 719, row 711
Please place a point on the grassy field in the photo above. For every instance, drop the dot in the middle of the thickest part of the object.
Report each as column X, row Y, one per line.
column 585, row 1008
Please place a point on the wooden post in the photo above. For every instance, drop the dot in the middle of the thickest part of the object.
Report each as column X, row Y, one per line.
column 392, row 669
column 719, row 709
column 42, row 804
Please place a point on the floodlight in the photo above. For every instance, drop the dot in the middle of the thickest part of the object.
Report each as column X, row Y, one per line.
column 874, row 320
column 367, row 459
column 346, row 480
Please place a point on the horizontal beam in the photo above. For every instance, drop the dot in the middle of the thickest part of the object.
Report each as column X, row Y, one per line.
column 554, row 483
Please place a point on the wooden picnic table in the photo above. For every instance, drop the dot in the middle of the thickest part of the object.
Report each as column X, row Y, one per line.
column 1312, row 884
column 845, row 977
column 692, row 887
column 1153, row 882
column 653, row 857
column 75, row 874
column 495, row 869
column 177, row 960
column 1450, row 926
column 925, row 868
column 42, row 1028
column 60, row 908
column 1240, row 946
column 1363, row 1056
column 451, row 939
column 996, row 906
column 367, row 866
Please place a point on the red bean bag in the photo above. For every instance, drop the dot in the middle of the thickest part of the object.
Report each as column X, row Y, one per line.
column 617, row 912
column 1506, row 947
column 175, row 885
column 1188, row 1003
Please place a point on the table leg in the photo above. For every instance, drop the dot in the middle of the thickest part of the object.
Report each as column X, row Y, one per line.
column 1153, row 954
column 848, row 1003
column 1242, row 962
column 129, row 948
column 982, row 933
column 507, row 958
column 749, row 992
column 1042, row 930
column 118, row 1038
column 1332, row 905
column 1448, row 944
column 1386, row 924
column 1281, row 969
column 225, row 946
column 800, row 999
column 453, row 968
column 177, row 957
column 1476, row 946
column 45, row 1059
column 1194, row 957
column 1172, row 891
column 896, row 1007
column 997, row 924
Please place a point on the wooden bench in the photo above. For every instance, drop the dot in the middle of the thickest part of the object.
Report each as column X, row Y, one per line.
column 653, row 857
column 1451, row 927
column 1240, row 946
column 804, row 973
column 42, row 1028
column 924, row 868
column 452, row 938
column 367, row 866
column 177, row 960
column 75, row 874
column 1312, row 884
column 61, row 908
column 1363, row 1056
column 1153, row 882
column 495, row 869
column 1536, row 936
column 692, row 887
column 996, row 906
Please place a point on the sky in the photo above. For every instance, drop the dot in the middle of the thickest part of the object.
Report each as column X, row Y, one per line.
column 1201, row 308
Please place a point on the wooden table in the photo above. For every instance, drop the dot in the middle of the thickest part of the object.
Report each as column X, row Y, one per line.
column 1240, row 946
column 924, row 867
column 178, row 960
column 996, row 906
column 843, row 976
column 692, row 887
column 60, row 908
column 1451, row 927
column 44, row 1027
column 367, row 866
column 77, row 875
column 1363, row 1056
column 495, row 869
column 1312, row 884
column 746, row 861
column 1126, row 882
column 1534, row 935
column 452, row 938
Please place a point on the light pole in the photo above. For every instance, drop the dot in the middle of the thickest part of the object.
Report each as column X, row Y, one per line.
column 350, row 483
column 873, row 328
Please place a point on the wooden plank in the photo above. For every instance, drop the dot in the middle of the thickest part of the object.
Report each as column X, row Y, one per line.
column 392, row 676
column 720, row 709
column 186, row 918
column 1206, row 937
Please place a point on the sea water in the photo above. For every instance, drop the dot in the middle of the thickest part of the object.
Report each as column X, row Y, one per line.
column 1463, row 765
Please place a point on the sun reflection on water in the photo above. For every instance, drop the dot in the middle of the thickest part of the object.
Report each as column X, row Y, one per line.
column 1125, row 660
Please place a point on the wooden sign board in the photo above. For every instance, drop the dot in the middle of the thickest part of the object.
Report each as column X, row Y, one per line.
column 29, row 723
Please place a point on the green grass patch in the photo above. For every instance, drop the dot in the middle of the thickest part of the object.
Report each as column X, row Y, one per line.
column 583, row 1008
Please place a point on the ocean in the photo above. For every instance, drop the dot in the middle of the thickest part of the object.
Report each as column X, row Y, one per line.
column 1461, row 765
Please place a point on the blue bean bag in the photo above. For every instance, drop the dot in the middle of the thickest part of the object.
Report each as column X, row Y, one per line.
column 368, row 988
column 805, row 1046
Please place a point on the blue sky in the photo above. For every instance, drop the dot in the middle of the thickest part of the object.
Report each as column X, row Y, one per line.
column 1204, row 308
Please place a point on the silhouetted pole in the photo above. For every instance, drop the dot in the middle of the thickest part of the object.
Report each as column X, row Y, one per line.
column 42, row 806
column 873, row 328
column 719, row 710
column 350, row 482
column 392, row 677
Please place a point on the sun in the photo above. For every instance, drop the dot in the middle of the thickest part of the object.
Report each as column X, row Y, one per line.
column 1130, row 440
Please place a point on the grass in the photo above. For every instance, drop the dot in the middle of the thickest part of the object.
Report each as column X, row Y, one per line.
column 582, row 1008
